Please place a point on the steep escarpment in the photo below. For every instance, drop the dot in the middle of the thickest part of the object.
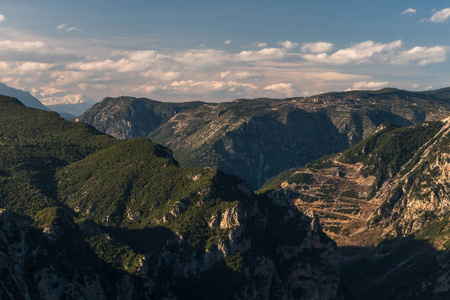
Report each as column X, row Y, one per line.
column 47, row 258
column 385, row 201
column 88, row 216
column 127, row 117
column 257, row 139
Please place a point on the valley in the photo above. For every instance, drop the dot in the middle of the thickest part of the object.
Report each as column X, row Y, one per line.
column 160, row 229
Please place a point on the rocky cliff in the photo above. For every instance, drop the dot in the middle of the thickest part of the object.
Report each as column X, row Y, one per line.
column 257, row 139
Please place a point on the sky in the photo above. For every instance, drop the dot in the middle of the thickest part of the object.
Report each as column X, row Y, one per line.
column 189, row 50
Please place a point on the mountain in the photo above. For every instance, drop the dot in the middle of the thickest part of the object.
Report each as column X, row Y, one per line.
column 24, row 97
column 87, row 216
column 63, row 101
column 257, row 139
column 386, row 203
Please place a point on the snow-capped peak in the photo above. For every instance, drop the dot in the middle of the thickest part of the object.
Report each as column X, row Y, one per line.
column 51, row 96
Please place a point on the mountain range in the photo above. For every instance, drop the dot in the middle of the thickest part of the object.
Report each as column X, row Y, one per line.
column 368, row 221
column 87, row 216
column 257, row 139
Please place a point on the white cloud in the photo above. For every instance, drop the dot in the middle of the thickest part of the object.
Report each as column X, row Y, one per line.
column 361, row 85
column 201, row 58
column 441, row 15
column 317, row 47
column 149, row 56
column 364, row 52
column 122, row 66
column 148, row 88
column 288, row 44
column 21, row 46
column 190, row 86
column 239, row 75
column 263, row 54
column 227, row 42
column 23, row 67
column 371, row 52
column 73, row 29
column 2, row 18
column 409, row 11
column 66, row 27
column 161, row 74
column 287, row 89
column 209, row 74
column 421, row 56
column 86, row 86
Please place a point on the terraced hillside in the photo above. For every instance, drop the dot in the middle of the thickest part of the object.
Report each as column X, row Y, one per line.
column 385, row 202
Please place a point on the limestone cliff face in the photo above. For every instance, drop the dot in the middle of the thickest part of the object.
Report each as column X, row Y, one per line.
column 300, row 262
column 258, row 139
column 54, row 263
column 419, row 197
column 269, row 250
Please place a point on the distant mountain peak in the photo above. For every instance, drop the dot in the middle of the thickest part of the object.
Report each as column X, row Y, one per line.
column 52, row 96
column 63, row 101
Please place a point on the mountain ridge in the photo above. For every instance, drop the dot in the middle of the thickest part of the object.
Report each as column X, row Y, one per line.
column 247, row 137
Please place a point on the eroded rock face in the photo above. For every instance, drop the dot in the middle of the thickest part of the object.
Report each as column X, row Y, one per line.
column 301, row 262
column 51, row 263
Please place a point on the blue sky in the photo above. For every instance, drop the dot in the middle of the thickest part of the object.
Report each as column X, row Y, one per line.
column 222, row 50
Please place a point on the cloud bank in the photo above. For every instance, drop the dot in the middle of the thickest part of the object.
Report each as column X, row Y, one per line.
column 288, row 69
